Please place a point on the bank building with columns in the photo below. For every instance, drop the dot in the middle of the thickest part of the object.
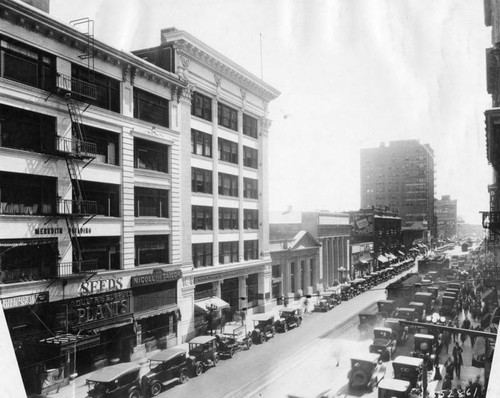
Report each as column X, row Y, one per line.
column 133, row 194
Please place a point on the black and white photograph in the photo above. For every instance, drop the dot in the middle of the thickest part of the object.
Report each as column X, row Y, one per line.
column 249, row 198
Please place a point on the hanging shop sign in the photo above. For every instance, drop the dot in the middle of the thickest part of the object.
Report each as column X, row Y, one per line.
column 229, row 274
column 101, row 286
column 157, row 276
column 22, row 301
column 87, row 310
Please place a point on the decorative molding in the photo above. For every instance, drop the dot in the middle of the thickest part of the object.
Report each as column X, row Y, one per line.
column 187, row 281
column 184, row 61
column 218, row 80
column 125, row 72
column 185, row 94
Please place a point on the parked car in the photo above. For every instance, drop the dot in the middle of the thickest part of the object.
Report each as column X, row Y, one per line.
column 117, row 381
column 289, row 318
column 424, row 347
column 202, row 353
column 383, row 343
column 386, row 308
column 425, row 297
column 233, row 340
column 365, row 372
column 408, row 368
column 394, row 388
column 419, row 308
column 326, row 301
column 263, row 327
column 399, row 331
column 166, row 367
column 406, row 313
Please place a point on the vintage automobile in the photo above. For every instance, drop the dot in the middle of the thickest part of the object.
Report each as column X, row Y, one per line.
column 326, row 301
column 386, row 308
column 406, row 313
column 423, row 345
column 367, row 321
column 232, row 340
column 263, row 327
column 419, row 309
column 408, row 368
column 289, row 318
column 447, row 305
column 434, row 290
column 346, row 292
column 383, row 343
column 426, row 298
column 393, row 388
column 116, row 381
column 399, row 331
column 366, row 372
column 359, row 285
column 202, row 353
column 165, row 367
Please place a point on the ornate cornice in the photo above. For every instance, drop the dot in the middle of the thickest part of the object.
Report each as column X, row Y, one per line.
column 226, row 68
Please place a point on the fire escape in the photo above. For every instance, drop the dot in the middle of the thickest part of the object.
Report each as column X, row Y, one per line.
column 78, row 154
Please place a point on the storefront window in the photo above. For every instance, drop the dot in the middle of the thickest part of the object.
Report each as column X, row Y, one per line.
column 152, row 249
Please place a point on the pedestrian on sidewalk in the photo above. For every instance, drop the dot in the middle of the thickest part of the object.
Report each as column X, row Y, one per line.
column 446, row 340
column 457, row 359
column 465, row 325
column 449, row 368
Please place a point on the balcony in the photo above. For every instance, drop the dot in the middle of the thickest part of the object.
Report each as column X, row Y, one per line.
column 76, row 207
column 76, row 268
column 493, row 137
column 69, row 146
column 70, row 84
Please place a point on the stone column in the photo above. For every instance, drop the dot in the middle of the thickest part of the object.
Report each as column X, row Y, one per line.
column 215, row 181
column 307, row 277
column 242, row 290
column 265, row 301
column 241, row 230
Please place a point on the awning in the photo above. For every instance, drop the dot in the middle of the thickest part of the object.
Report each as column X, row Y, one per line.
column 106, row 324
column 154, row 312
column 67, row 341
column 382, row 259
column 213, row 302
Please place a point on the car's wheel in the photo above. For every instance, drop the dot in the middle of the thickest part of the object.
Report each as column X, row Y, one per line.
column 262, row 338
column 273, row 332
column 183, row 377
column 215, row 359
column 198, row 368
column 134, row 394
column 285, row 328
column 359, row 379
column 299, row 321
column 249, row 343
column 155, row 388
column 231, row 352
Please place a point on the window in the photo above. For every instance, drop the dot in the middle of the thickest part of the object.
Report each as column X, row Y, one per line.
column 227, row 117
column 151, row 202
column 150, row 107
column 27, row 194
column 106, row 143
column 228, row 185
column 250, row 126
column 250, row 188
column 27, row 65
column 251, row 249
column 150, row 155
column 201, row 106
column 228, row 151
column 202, row 254
column 201, row 143
column 228, row 252
column 276, row 271
column 107, row 89
column 104, row 249
column 250, row 157
column 228, row 218
column 251, row 219
column 201, row 180
column 107, row 197
column 201, row 217
column 151, row 249
column 25, row 130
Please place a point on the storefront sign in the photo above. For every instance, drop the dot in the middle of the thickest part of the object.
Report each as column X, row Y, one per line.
column 157, row 276
column 58, row 230
column 22, row 301
column 101, row 286
column 103, row 306
column 229, row 274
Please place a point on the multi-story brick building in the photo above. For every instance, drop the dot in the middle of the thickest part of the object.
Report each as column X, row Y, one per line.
column 446, row 217
column 401, row 177
column 110, row 195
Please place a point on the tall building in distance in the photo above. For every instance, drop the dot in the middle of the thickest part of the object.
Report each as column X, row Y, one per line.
column 400, row 176
column 446, row 217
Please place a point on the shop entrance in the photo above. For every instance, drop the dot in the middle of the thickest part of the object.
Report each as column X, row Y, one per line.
column 230, row 294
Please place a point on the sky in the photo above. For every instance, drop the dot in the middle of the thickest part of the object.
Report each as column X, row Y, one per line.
column 352, row 74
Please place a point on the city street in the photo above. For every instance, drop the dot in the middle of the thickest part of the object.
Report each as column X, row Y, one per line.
column 299, row 363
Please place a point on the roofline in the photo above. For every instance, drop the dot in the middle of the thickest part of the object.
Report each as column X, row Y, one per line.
column 61, row 31
column 205, row 54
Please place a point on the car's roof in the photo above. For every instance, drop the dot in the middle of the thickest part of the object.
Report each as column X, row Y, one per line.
column 405, row 309
column 423, row 293
column 366, row 357
column 263, row 317
column 380, row 329
column 202, row 339
column 405, row 360
column 111, row 373
column 394, row 385
column 417, row 303
column 385, row 301
column 168, row 354
column 424, row 336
